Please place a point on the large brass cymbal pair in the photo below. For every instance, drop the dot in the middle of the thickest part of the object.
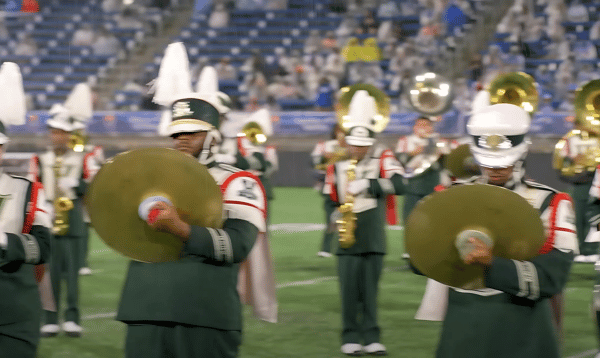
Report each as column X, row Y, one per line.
column 127, row 179
column 432, row 229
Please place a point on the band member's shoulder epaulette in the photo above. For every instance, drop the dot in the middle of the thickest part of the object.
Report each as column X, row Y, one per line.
column 535, row 185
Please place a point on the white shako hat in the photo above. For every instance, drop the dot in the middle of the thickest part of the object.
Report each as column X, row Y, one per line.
column 12, row 98
column 499, row 135
column 76, row 112
column 361, row 120
column 208, row 87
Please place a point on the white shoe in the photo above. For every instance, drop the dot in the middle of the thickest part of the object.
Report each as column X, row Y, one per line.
column 72, row 329
column 49, row 330
column 85, row 271
column 376, row 349
column 406, row 256
column 580, row 258
column 592, row 258
column 352, row 349
column 324, row 254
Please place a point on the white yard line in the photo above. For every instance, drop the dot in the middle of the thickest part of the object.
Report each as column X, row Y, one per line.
column 585, row 354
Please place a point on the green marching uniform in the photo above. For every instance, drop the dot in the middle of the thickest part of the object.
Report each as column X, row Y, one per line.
column 75, row 171
column 422, row 185
column 318, row 158
column 512, row 317
column 360, row 266
column 93, row 153
column 191, row 307
column 24, row 242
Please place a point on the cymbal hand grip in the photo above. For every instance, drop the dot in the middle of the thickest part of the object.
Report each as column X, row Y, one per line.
column 145, row 208
column 463, row 245
column 152, row 215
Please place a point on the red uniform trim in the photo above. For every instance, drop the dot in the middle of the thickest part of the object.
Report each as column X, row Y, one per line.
column 240, row 144
column 34, row 168
column 237, row 202
column 549, row 244
column 246, row 174
column 390, row 200
column 439, row 187
column 86, row 166
column 329, row 181
column 32, row 207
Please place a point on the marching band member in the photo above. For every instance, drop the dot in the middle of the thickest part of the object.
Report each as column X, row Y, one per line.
column 360, row 265
column 413, row 148
column 513, row 313
column 576, row 146
column 24, row 238
column 65, row 174
column 190, row 307
column 332, row 150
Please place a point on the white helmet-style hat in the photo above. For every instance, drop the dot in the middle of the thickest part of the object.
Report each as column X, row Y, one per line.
column 12, row 98
column 499, row 135
column 361, row 120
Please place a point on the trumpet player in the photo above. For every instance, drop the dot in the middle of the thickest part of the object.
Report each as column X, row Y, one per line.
column 365, row 180
column 24, row 236
column 65, row 175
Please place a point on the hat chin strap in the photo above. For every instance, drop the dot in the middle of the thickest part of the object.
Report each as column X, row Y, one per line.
column 206, row 154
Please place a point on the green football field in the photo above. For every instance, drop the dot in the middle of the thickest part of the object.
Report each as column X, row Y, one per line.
column 309, row 303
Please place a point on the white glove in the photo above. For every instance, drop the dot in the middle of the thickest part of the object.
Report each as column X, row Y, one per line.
column 66, row 183
column 356, row 187
column 225, row 158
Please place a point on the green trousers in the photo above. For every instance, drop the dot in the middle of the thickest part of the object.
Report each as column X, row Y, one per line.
column 65, row 264
column 410, row 201
column 20, row 339
column 85, row 246
column 330, row 229
column 176, row 341
column 359, row 280
column 581, row 194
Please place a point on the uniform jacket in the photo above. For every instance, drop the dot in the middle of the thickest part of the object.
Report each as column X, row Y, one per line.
column 78, row 165
column 25, row 220
column 371, row 207
column 200, row 288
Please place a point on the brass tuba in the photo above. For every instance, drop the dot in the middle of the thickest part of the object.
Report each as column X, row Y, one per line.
column 516, row 88
column 587, row 122
column 383, row 106
column 431, row 96
column 62, row 204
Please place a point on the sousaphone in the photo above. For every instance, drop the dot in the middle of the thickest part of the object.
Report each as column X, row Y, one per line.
column 431, row 96
column 439, row 226
column 382, row 118
column 587, row 121
column 126, row 180
column 516, row 88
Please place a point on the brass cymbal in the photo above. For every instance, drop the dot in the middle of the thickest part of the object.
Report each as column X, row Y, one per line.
column 460, row 162
column 127, row 179
column 433, row 226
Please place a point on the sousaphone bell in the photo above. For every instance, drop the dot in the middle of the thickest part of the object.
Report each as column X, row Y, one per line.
column 381, row 119
column 439, row 226
column 516, row 88
column 587, row 120
column 126, row 180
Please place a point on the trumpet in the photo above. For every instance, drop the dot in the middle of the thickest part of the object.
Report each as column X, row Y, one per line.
column 77, row 141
